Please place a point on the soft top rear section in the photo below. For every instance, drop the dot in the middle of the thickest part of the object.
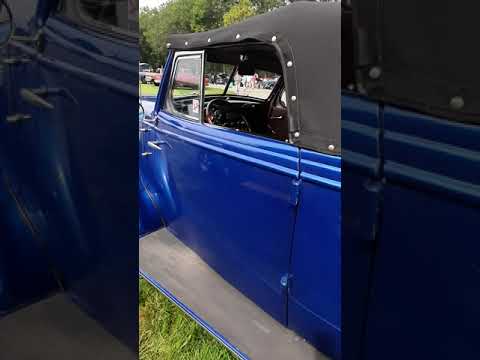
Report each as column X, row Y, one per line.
column 419, row 54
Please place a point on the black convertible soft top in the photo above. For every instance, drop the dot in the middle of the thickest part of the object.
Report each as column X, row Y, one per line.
column 422, row 55
column 307, row 38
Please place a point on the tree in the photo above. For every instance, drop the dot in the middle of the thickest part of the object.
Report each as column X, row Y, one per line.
column 262, row 6
column 244, row 9
column 208, row 14
column 146, row 51
column 185, row 16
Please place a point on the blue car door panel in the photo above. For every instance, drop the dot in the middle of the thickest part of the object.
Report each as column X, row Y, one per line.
column 314, row 296
column 233, row 203
column 428, row 243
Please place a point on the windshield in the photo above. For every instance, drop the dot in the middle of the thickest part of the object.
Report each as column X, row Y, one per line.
column 258, row 86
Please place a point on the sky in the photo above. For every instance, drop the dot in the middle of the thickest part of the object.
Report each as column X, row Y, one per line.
column 151, row 3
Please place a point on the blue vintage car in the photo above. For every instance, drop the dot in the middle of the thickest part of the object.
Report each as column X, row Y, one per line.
column 240, row 186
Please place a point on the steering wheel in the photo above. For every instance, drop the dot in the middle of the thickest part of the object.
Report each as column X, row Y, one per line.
column 216, row 111
column 219, row 112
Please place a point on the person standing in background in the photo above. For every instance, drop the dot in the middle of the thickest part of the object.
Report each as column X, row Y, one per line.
column 238, row 82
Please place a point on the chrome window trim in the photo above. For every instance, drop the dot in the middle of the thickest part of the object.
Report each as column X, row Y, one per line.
column 169, row 106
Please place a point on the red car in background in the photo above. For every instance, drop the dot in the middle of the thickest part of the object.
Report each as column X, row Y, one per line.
column 188, row 79
column 148, row 76
column 157, row 77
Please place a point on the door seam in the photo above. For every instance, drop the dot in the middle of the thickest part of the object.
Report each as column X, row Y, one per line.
column 298, row 185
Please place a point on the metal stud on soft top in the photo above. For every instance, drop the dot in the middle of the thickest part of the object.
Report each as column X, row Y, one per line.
column 375, row 72
column 457, row 102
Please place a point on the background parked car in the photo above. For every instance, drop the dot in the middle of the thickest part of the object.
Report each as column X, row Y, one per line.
column 268, row 84
column 147, row 75
column 143, row 70
column 157, row 78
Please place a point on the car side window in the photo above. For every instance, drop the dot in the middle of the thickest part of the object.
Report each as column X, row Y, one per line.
column 185, row 87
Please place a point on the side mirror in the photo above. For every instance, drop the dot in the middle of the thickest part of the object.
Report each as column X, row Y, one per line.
column 6, row 23
column 141, row 113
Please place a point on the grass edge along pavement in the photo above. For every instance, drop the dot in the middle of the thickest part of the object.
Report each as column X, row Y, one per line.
column 167, row 333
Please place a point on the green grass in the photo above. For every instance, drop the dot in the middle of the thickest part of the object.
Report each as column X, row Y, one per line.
column 166, row 333
column 148, row 89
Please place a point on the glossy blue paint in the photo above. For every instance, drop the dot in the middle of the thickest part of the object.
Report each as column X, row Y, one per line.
column 314, row 297
column 361, row 198
column 22, row 225
column 150, row 217
column 228, row 198
column 71, row 161
column 22, row 259
column 411, row 190
column 428, row 243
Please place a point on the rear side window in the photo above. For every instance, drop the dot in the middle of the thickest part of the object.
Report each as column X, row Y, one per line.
column 185, row 87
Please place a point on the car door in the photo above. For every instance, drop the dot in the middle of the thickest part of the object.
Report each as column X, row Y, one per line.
column 234, row 195
column 424, row 282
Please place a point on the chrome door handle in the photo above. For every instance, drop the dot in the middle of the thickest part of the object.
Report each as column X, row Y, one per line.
column 144, row 130
column 35, row 96
column 156, row 144
column 18, row 117
column 32, row 97
column 149, row 119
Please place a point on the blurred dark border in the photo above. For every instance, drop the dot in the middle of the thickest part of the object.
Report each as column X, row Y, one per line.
column 68, row 179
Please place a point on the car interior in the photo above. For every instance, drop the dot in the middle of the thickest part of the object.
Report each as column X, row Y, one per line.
column 260, row 111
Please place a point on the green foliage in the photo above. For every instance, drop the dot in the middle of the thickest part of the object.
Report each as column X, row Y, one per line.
column 208, row 14
column 166, row 333
column 185, row 16
column 262, row 6
column 241, row 11
column 146, row 51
